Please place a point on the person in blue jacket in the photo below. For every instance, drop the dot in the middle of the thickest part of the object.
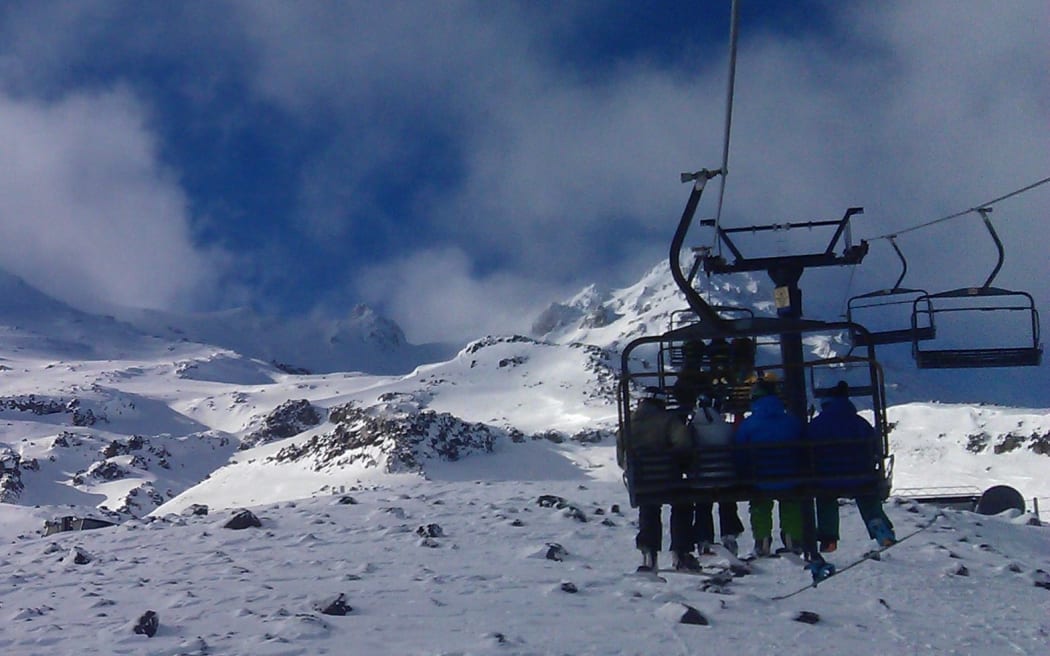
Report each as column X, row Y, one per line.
column 846, row 448
column 770, row 424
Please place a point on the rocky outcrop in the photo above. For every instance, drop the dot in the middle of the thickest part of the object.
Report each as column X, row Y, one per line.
column 286, row 420
column 394, row 440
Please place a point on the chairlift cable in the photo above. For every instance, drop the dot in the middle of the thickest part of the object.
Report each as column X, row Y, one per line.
column 728, row 122
column 956, row 215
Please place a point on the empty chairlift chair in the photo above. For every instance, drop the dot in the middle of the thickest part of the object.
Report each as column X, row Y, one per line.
column 884, row 302
column 1006, row 321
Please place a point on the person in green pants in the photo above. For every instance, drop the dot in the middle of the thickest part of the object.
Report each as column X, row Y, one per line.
column 770, row 424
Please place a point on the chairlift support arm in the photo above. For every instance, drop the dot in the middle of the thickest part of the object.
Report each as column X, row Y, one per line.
column 851, row 254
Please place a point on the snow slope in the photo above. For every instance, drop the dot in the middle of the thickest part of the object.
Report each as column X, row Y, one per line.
column 464, row 567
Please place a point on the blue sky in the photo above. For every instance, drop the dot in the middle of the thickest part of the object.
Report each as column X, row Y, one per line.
column 459, row 165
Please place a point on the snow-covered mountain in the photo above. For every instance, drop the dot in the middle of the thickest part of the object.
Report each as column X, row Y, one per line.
column 149, row 419
column 612, row 318
column 363, row 340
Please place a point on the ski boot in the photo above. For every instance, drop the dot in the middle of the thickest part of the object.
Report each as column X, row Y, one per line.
column 820, row 569
column 649, row 561
column 730, row 543
column 882, row 533
column 684, row 561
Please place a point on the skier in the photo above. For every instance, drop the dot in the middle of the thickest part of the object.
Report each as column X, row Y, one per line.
column 655, row 427
column 770, row 424
column 714, row 437
column 838, row 421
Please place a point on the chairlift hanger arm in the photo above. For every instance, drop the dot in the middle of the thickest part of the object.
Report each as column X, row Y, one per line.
column 904, row 262
column 983, row 211
column 703, row 311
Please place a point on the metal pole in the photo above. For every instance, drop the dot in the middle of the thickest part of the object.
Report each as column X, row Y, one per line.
column 789, row 306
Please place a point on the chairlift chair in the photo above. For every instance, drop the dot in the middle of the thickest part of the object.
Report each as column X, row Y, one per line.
column 825, row 374
column 970, row 301
column 677, row 355
column 885, row 299
column 655, row 477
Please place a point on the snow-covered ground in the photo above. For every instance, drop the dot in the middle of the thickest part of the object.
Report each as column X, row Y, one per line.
column 99, row 419
column 459, row 566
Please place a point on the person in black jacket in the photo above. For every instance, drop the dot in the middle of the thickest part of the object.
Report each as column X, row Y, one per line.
column 655, row 427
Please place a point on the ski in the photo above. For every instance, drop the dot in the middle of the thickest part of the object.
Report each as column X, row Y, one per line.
column 823, row 574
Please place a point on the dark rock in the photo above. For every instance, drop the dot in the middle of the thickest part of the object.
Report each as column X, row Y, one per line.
column 807, row 617
column 81, row 557
column 556, row 552
column 551, row 501
column 693, row 616
column 517, row 522
column 337, row 606
column 148, row 624
column 575, row 513
column 196, row 510
column 107, row 471
column 1041, row 579
column 615, row 509
column 346, row 500
column 430, row 531
column 243, row 519
column 569, row 586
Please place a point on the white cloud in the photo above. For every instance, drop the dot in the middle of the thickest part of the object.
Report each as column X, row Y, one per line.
column 435, row 295
column 910, row 110
column 89, row 214
column 567, row 176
